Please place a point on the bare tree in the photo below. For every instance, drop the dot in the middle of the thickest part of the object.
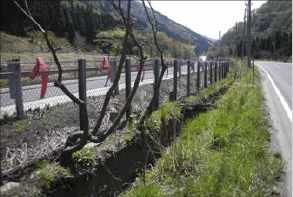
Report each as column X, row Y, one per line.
column 78, row 140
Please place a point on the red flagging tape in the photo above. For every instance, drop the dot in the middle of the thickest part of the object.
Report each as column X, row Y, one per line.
column 40, row 66
column 104, row 63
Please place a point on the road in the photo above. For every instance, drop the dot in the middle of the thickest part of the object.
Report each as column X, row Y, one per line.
column 277, row 84
column 95, row 87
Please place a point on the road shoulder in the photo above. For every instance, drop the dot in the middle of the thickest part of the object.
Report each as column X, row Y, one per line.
column 281, row 136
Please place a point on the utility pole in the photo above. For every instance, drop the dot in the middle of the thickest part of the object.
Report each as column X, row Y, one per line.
column 243, row 38
column 235, row 48
column 220, row 45
column 248, row 34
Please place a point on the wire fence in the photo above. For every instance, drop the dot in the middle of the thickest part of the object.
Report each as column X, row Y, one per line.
column 98, row 81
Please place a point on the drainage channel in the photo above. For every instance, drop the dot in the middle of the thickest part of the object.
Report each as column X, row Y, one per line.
column 120, row 169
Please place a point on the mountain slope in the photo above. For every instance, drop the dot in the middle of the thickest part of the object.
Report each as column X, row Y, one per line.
column 77, row 18
column 171, row 28
column 271, row 32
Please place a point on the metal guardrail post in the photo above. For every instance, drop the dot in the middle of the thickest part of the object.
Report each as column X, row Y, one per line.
column 15, row 86
column 176, row 63
column 113, row 74
column 188, row 78
column 128, row 84
column 156, row 76
column 198, row 76
column 205, row 74
column 82, row 90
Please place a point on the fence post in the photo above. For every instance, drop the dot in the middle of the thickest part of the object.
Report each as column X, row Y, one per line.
column 82, row 91
column 128, row 84
column 156, row 76
column 220, row 71
column 15, row 86
column 175, row 79
column 211, row 73
column 179, row 68
column 188, row 78
column 198, row 75
column 216, row 70
column 224, row 72
column 112, row 76
column 205, row 74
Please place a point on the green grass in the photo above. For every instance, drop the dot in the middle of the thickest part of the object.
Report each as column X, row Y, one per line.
column 85, row 160
column 21, row 126
column 220, row 153
column 171, row 109
column 50, row 172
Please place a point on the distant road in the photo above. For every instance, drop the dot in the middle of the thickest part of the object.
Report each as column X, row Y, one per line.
column 95, row 87
column 277, row 84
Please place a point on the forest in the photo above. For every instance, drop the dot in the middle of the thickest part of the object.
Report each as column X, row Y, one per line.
column 271, row 33
column 94, row 27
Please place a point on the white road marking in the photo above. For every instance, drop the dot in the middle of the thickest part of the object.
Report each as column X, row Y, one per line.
column 283, row 102
column 10, row 109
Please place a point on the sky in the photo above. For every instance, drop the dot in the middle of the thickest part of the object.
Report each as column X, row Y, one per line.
column 205, row 17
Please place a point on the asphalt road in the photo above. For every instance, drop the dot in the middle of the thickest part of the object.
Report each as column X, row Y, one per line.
column 277, row 84
column 95, row 87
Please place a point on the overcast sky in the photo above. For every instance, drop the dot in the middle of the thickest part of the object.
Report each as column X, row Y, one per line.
column 205, row 17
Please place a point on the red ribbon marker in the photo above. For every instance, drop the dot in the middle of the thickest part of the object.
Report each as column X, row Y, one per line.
column 102, row 65
column 40, row 65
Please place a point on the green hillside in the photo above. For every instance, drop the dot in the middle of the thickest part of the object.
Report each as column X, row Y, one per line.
column 271, row 33
column 92, row 26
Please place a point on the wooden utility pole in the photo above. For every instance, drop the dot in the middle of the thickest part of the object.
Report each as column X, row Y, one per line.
column 248, row 34
column 243, row 38
column 235, row 49
column 220, row 44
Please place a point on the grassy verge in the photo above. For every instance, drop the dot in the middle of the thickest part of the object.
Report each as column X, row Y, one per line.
column 220, row 153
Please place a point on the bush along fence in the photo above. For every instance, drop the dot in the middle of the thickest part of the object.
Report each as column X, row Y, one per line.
column 86, row 76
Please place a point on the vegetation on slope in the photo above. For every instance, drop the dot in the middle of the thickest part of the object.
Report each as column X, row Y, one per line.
column 220, row 153
column 110, row 42
column 271, row 27
column 82, row 23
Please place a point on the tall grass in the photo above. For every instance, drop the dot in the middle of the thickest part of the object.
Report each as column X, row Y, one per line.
column 220, row 153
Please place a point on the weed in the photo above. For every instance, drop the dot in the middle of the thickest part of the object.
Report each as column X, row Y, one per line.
column 220, row 153
column 85, row 160
column 167, row 110
column 56, row 112
column 21, row 126
column 131, row 126
column 49, row 173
